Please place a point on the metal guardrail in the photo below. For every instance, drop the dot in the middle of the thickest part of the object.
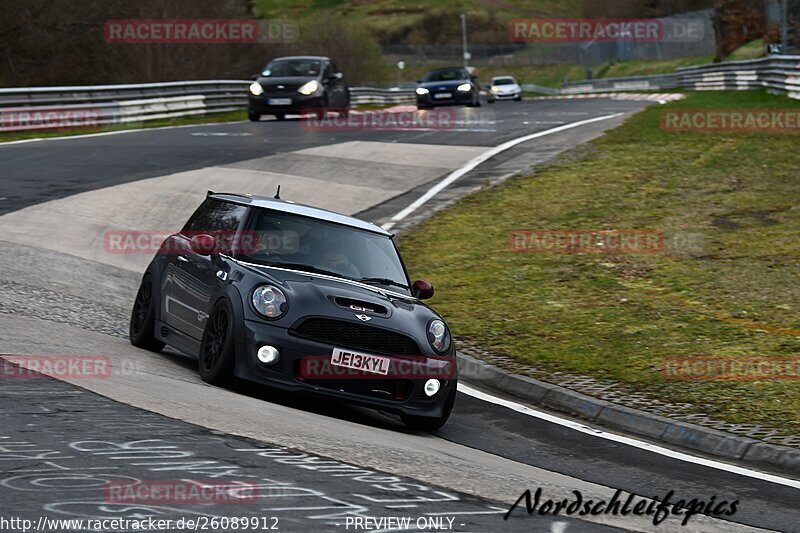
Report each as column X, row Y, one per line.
column 32, row 108
column 629, row 83
column 371, row 95
column 37, row 108
column 778, row 74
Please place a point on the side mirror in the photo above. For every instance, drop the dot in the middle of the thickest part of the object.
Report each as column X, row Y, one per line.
column 254, row 77
column 419, row 81
column 473, row 77
column 422, row 290
column 204, row 244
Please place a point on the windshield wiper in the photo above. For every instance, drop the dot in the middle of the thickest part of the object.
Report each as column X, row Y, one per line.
column 382, row 281
column 305, row 267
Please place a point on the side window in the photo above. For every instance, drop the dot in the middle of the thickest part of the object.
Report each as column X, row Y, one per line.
column 328, row 72
column 217, row 218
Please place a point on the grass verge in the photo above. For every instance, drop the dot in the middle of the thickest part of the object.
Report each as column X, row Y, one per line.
column 735, row 294
column 229, row 116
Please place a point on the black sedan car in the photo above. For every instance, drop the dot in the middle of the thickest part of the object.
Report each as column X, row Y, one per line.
column 448, row 86
column 295, row 85
column 299, row 299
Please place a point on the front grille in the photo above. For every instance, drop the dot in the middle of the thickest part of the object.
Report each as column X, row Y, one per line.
column 275, row 90
column 387, row 389
column 345, row 334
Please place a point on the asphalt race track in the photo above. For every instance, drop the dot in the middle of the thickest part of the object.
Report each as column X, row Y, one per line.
column 315, row 466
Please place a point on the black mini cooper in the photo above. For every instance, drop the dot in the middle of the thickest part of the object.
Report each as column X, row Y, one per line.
column 302, row 300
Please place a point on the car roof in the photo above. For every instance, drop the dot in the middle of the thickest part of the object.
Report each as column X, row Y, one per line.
column 287, row 206
column 503, row 77
column 321, row 58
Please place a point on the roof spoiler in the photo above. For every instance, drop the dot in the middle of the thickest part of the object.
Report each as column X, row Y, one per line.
column 209, row 193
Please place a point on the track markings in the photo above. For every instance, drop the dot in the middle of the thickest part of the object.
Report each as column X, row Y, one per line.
column 628, row 441
column 453, row 176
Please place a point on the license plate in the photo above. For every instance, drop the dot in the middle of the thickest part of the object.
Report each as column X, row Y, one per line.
column 360, row 361
column 443, row 95
column 279, row 101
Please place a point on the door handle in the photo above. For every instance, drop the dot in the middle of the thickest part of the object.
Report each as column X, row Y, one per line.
column 182, row 259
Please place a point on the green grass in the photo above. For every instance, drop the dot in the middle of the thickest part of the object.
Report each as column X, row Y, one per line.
column 229, row 116
column 617, row 316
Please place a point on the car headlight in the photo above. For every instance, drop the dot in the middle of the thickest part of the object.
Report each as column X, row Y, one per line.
column 465, row 87
column 438, row 336
column 256, row 89
column 422, row 90
column 495, row 89
column 309, row 88
column 269, row 301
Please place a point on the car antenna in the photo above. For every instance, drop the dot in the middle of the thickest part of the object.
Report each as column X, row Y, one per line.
column 278, row 194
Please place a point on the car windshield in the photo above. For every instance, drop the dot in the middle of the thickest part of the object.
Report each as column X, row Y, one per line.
column 292, row 68
column 292, row 241
column 504, row 81
column 450, row 74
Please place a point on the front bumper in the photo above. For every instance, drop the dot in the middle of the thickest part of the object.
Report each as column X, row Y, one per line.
column 455, row 98
column 298, row 103
column 399, row 392
column 504, row 96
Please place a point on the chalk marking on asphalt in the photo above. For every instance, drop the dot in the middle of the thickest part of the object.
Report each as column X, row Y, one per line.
column 629, row 441
column 115, row 132
column 453, row 176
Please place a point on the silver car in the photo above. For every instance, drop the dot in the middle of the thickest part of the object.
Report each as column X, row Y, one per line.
column 504, row 88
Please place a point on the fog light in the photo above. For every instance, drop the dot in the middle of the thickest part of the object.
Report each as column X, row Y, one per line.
column 268, row 354
column 432, row 387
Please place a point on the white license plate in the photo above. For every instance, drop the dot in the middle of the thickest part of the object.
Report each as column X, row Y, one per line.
column 360, row 361
column 279, row 101
column 443, row 95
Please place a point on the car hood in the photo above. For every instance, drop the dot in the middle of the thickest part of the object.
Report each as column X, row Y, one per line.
column 312, row 294
column 507, row 88
column 293, row 82
column 430, row 85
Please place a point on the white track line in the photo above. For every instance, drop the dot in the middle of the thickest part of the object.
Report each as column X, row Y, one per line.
column 115, row 132
column 453, row 176
column 577, row 426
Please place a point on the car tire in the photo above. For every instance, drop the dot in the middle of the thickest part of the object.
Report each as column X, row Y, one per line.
column 490, row 101
column 428, row 423
column 216, row 361
column 253, row 117
column 518, row 98
column 141, row 330
column 280, row 116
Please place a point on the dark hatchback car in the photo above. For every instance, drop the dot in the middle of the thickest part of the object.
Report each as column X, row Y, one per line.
column 448, row 86
column 299, row 299
column 295, row 85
